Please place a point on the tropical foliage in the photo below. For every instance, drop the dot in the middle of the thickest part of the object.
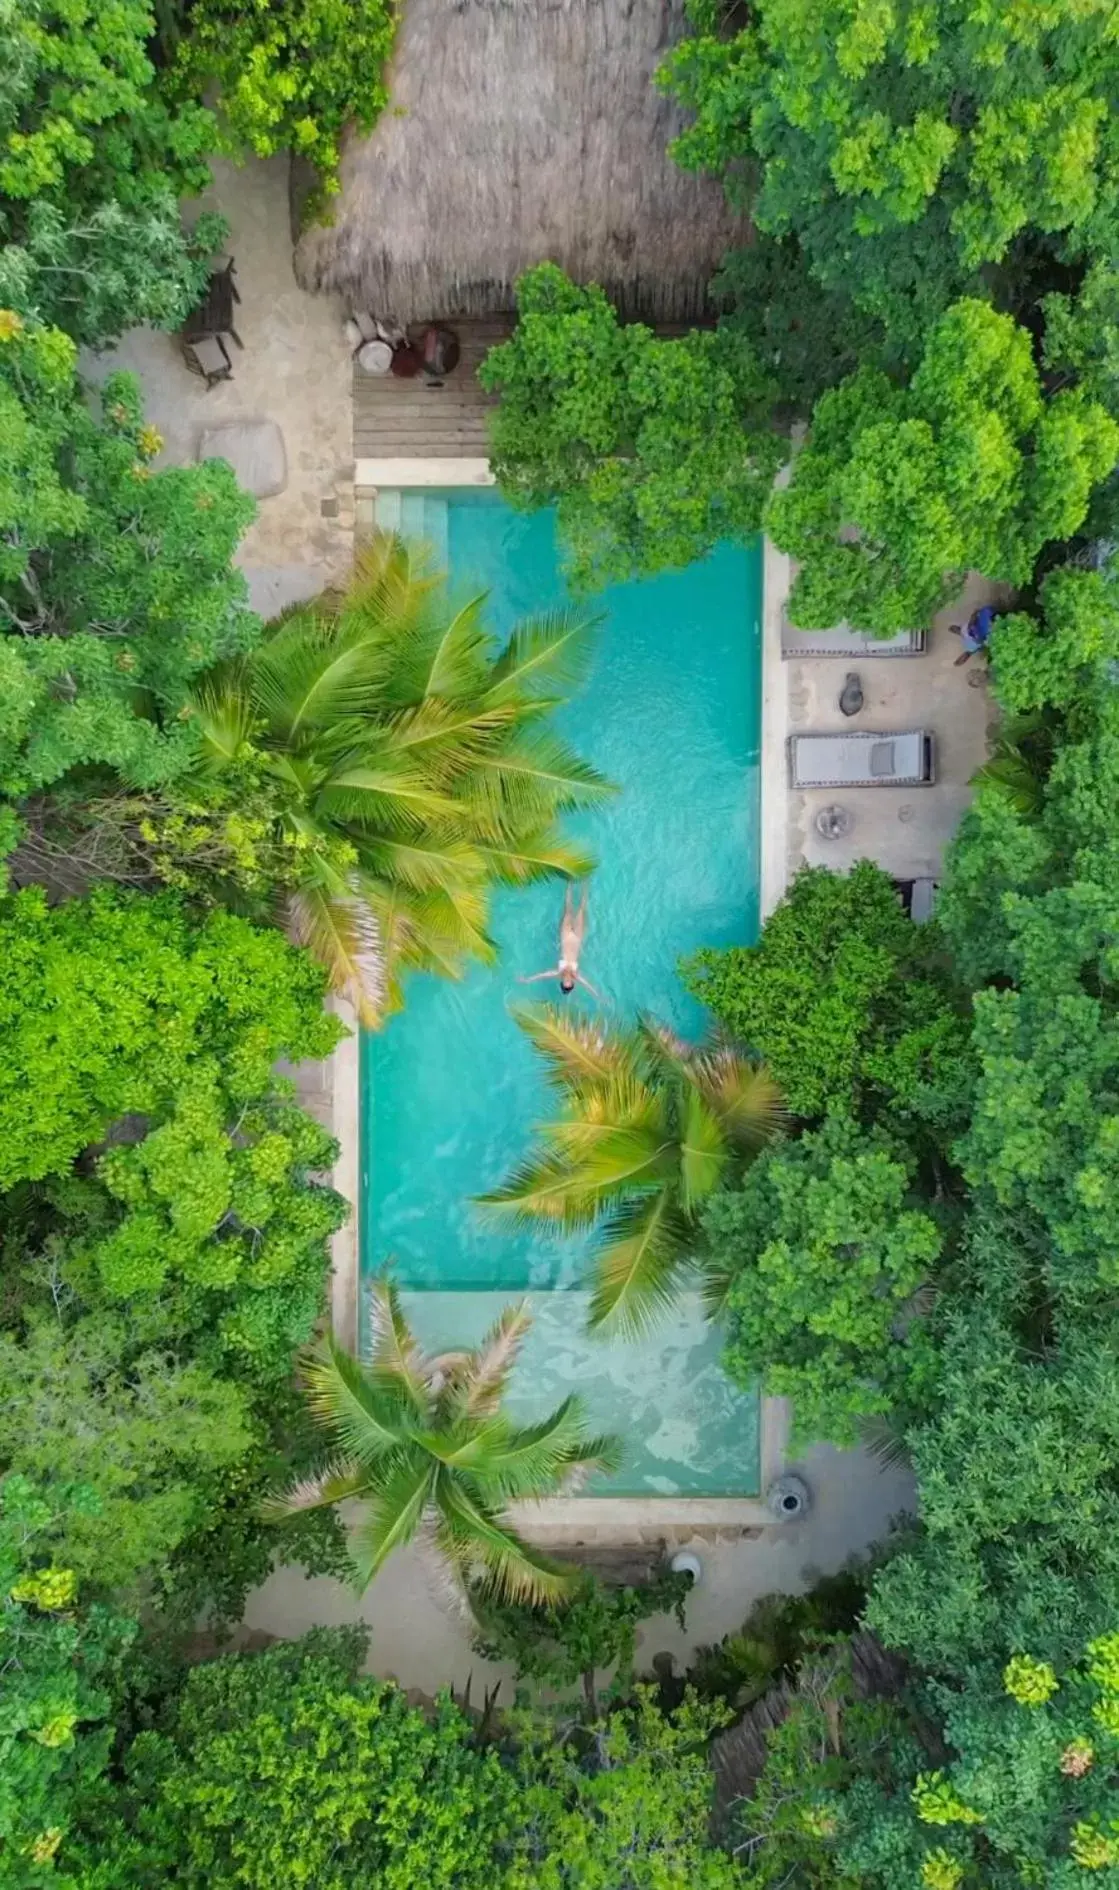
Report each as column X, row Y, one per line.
column 100, row 557
column 648, row 1127
column 92, row 163
column 422, row 1440
column 962, row 148
column 163, row 1243
column 409, row 764
column 61, row 1669
column 850, row 1005
column 652, row 450
column 901, row 490
column 636, row 1816
column 291, row 76
column 563, row 1642
column 825, row 1255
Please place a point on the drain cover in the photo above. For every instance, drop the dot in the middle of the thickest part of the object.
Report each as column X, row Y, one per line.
column 833, row 822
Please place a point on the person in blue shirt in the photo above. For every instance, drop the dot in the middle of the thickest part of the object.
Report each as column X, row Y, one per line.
column 975, row 633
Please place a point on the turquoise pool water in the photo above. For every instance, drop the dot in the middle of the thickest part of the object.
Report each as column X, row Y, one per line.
column 450, row 1089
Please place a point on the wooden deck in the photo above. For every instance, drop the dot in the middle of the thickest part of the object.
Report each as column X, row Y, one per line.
column 398, row 419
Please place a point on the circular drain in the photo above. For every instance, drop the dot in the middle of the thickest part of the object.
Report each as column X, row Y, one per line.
column 788, row 1498
column 834, row 822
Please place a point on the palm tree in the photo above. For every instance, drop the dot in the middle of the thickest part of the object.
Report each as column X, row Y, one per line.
column 411, row 766
column 647, row 1129
column 423, row 1441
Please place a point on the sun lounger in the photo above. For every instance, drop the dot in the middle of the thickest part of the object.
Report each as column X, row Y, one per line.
column 904, row 759
column 846, row 642
column 918, row 896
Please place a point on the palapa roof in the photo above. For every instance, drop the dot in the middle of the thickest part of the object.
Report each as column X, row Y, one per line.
column 517, row 132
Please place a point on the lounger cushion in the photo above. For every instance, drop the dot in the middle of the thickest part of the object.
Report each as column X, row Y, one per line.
column 882, row 759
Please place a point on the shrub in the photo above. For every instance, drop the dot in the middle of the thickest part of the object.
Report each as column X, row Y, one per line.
column 290, row 76
column 845, row 999
column 651, row 450
column 822, row 1257
column 285, row 1768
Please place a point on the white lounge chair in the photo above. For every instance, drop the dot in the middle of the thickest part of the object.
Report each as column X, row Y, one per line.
column 904, row 759
column 844, row 641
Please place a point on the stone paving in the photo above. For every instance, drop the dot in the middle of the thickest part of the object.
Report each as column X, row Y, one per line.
column 295, row 369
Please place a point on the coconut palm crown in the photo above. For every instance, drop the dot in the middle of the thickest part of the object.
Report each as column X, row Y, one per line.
column 423, row 1442
column 412, row 766
column 647, row 1128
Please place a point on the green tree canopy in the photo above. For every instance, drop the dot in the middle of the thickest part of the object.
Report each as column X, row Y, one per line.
column 93, row 161
column 61, row 1669
column 846, row 1000
column 164, row 1243
column 652, row 450
column 823, row 1251
column 901, row 490
column 287, row 1769
column 914, row 153
column 288, row 75
column 116, row 586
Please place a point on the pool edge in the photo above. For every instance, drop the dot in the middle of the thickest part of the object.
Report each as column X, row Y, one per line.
column 601, row 1515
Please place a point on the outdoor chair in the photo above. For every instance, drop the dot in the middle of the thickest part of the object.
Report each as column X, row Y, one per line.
column 214, row 314
column 208, row 357
column 906, row 759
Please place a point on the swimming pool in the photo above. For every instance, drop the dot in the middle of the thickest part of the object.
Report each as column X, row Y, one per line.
column 451, row 1089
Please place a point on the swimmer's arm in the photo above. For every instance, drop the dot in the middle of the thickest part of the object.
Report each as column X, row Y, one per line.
column 588, row 986
column 537, row 976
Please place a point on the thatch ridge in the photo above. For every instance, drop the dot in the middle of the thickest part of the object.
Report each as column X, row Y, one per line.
column 521, row 131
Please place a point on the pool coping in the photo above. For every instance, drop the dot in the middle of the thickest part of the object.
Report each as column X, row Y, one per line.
column 580, row 1514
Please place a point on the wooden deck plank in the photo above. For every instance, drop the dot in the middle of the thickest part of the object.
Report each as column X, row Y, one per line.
column 409, row 419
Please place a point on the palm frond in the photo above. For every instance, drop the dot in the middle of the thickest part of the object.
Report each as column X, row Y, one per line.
column 448, row 656
column 716, row 1280
column 395, row 1358
column 427, row 862
column 543, row 1187
column 531, row 1459
column 381, row 794
column 222, row 714
column 490, row 1365
column 335, row 1483
column 472, row 1534
column 641, row 1253
column 1015, row 780
column 365, row 1420
column 545, row 654
column 613, row 1159
column 448, row 737
column 576, row 1051
column 343, row 934
column 886, row 1441
column 394, row 1516
column 520, row 783
column 536, row 857
column 312, row 674
column 743, row 1094
column 704, row 1153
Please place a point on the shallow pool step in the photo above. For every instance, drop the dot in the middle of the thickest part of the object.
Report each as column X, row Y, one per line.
column 387, row 510
column 420, row 516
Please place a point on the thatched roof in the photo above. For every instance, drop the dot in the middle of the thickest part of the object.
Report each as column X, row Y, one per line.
column 521, row 131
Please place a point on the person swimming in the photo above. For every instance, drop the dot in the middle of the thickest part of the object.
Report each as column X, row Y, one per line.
column 573, row 929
